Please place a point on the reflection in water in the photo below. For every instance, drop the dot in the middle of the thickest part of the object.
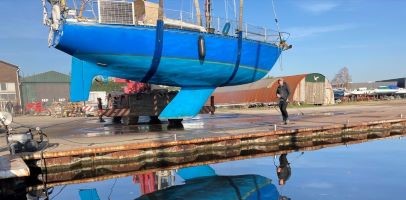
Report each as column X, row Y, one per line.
column 132, row 129
column 202, row 182
column 11, row 189
column 147, row 182
column 88, row 194
column 153, row 181
column 283, row 170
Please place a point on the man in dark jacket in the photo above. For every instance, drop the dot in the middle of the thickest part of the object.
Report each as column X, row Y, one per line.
column 100, row 108
column 283, row 171
column 283, row 93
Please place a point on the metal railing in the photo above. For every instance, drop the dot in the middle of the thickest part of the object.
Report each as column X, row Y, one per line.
column 123, row 12
column 183, row 16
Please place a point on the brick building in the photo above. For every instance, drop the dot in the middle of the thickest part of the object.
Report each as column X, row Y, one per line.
column 10, row 98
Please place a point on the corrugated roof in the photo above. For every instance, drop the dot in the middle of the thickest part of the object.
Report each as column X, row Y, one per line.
column 390, row 80
column 261, row 91
column 47, row 77
column 315, row 78
column 263, row 83
column 293, row 83
column 9, row 64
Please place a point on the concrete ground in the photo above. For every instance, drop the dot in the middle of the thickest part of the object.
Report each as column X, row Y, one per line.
column 67, row 134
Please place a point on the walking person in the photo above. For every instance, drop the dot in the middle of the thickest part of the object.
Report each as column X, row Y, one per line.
column 283, row 94
column 100, row 108
column 9, row 107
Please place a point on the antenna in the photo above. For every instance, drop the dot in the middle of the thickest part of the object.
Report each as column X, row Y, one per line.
column 276, row 21
column 226, row 8
column 282, row 43
column 235, row 10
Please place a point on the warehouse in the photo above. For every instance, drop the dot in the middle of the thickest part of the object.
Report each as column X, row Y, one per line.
column 305, row 89
column 399, row 82
column 45, row 87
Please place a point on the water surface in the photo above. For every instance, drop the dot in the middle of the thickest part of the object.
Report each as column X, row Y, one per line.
column 371, row 170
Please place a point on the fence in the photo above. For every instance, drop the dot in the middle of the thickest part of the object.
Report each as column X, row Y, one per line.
column 127, row 13
column 11, row 107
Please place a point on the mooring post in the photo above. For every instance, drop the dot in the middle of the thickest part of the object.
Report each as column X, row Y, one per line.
column 274, row 127
column 212, row 105
column 401, row 116
column 175, row 137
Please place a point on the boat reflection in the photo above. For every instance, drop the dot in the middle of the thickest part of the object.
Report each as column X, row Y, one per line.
column 202, row 182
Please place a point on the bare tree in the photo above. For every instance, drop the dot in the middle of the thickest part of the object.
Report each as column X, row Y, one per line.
column 342, row 78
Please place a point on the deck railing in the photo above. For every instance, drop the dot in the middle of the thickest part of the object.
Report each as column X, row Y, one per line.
column 124, row 12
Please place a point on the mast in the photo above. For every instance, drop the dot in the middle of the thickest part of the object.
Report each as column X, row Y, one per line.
column 82, row 7
column 160, row 10
column 198, row 16
column 208, row 13
column 240, row 28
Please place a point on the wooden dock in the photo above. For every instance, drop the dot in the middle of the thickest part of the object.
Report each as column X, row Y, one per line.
column 13, row 167
column 75, row 143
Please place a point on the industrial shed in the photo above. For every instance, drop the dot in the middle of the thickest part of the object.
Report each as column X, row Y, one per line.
column 305, row 88
column 399, row 82
column 45, row 87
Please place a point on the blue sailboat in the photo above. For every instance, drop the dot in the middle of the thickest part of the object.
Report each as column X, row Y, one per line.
column 138, row 40
column 202, row 183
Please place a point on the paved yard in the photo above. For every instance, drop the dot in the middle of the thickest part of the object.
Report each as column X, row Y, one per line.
column 73, row 133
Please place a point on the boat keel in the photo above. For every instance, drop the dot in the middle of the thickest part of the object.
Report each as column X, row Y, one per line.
column 81, row 80
column 187, row 103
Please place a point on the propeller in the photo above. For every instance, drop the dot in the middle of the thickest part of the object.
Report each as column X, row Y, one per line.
column 100, row 79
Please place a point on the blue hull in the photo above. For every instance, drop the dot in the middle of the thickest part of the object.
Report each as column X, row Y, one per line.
column 128, row 51
column 161, row 56
column 243, row 187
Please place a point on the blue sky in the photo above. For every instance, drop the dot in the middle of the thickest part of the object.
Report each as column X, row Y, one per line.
column 367, row 36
